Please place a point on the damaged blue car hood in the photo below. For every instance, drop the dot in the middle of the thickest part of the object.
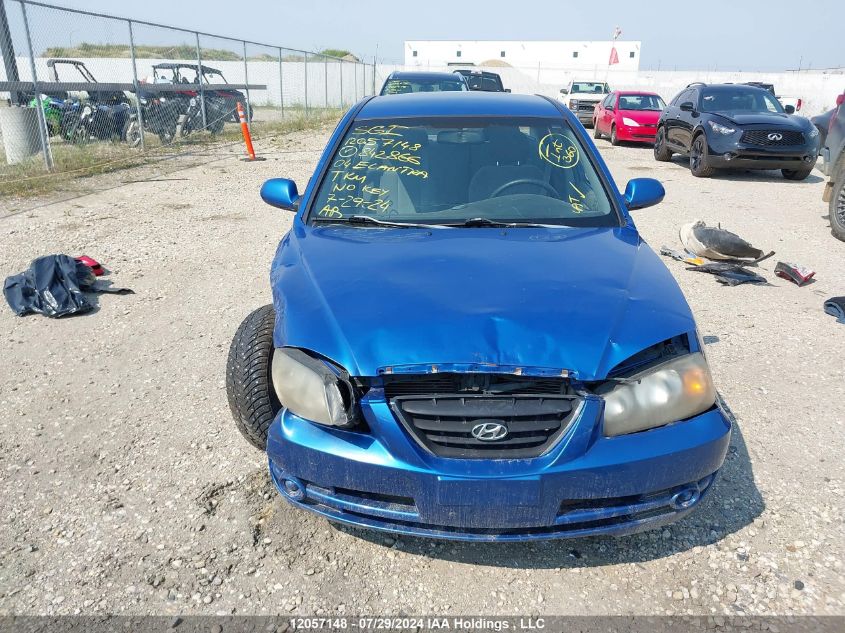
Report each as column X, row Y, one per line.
column 542, row 300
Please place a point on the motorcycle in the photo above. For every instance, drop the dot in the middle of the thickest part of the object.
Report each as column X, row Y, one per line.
column 97, row 121
column 160, row 116
column 191, row 119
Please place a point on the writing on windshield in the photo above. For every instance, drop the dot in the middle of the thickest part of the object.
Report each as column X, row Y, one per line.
column 445, row 170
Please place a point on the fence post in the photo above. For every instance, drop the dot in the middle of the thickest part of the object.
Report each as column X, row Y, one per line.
column 281, row 88
column 137, row 89
column 246, row 90
column 374, row 74
column 306, row 84
column 341, row 83
column 202, row 88
column 355, row 83
column 42, row 120
column 326, row 77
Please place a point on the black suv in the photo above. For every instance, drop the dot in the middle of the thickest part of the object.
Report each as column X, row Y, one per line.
column 483, row 80
column 736, row 126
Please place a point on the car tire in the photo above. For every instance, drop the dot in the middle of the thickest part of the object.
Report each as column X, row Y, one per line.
column 699, row 162
column 796, row 174
column 249, row 386
column 596, row 133
column 614, row 140
column 661, row 152
column 837, row 206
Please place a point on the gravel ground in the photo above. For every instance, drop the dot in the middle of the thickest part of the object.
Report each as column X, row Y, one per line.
column 126, row 488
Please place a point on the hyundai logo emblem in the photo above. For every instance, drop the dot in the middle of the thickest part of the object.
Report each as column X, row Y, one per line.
column 775, row 136
column 489, row 431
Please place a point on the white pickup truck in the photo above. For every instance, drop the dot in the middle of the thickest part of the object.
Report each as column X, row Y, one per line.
column 582, row 96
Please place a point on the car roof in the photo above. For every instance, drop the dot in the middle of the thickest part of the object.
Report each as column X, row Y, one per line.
column 728, row 87
column 470, row 103
column 636, row 92
column 471, row 71
column 404, row 74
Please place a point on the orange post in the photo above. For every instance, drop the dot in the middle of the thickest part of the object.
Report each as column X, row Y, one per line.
column 245, row 131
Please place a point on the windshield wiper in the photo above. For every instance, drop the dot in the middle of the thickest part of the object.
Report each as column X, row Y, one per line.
column 487, row 222
column 366, row 219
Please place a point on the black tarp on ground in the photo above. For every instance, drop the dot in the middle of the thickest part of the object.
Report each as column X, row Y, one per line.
column 55, row 286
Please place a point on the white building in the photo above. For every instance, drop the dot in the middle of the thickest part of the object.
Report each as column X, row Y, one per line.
column 522, row 54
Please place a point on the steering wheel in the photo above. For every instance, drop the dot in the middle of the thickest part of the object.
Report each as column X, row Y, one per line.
column 524, row 181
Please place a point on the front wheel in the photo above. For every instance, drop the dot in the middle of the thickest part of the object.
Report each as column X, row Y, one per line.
column 837, row 206
column 249, row 384
column 132, row 132
column 661, row 152
column 699, row 162
column 596, row 133
column 614, row 140
column 796, row 174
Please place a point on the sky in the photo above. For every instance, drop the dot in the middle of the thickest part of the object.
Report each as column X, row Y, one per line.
column 722, row 34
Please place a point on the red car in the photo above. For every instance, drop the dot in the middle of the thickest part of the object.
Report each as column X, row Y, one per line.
column 628, row 116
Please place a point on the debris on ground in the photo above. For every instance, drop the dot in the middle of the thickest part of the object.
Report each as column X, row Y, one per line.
column 55, row 286
column 793, row 272
column 718, row 243
column 835, row 306
column 685, row 256
column 730, row 273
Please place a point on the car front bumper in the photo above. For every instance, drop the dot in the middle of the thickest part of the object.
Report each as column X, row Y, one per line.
column 638, row 134
column 586, row 484
column 727, row 152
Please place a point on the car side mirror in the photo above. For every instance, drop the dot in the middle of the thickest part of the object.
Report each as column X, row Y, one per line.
column 643, row 192
column 790, row 109
column 281, row 193
column 564, row 91
column 687, row 106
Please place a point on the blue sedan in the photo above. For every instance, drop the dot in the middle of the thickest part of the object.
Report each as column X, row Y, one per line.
column 469, row 339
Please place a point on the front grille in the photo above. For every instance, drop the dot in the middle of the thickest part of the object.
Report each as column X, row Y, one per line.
column 443, row 424
column 761, row 137
column 587, row 105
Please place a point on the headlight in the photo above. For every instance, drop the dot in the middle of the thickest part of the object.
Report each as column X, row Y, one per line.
column 721, row 129
column 630, row 122
column 310, row 389
column 573, row 104
column 814, row 132
column 675, row 390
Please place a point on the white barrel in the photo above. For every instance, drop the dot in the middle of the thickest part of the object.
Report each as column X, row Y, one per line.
column 19, row 127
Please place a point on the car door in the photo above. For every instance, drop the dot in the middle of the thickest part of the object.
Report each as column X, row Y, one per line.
column 672, row 122
column 605, row 114
column 687, row 118
column 610, row 110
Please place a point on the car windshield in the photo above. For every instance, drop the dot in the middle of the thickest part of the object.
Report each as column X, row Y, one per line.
column 739, row 100
column 589, row 86
column 641, row 102
column 463, row 171
column 401, row 85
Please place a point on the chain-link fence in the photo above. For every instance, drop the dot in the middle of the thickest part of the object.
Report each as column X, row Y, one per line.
column 85, row 90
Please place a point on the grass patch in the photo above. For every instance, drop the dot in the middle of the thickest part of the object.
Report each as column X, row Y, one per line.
column 72, row 163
